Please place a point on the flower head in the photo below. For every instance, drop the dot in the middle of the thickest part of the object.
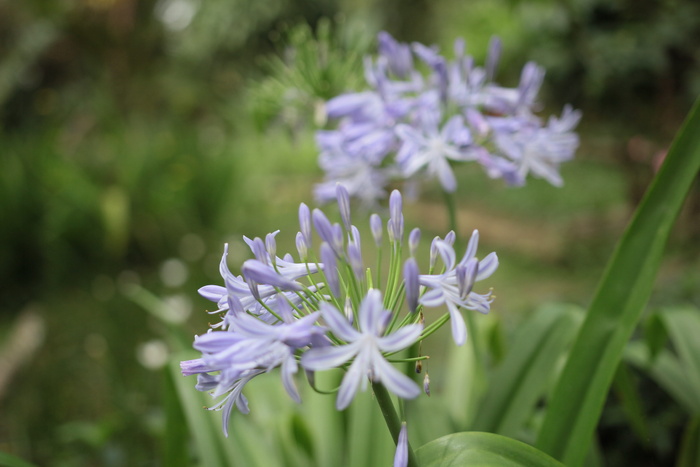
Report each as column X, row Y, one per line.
column 410, row 123
column 325, row 313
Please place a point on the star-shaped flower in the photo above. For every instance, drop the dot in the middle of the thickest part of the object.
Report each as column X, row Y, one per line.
column 366, row 346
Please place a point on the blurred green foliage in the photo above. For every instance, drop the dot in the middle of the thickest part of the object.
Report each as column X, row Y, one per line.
column 135, row 131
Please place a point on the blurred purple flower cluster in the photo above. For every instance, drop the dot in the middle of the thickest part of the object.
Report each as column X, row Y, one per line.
column 413, row 124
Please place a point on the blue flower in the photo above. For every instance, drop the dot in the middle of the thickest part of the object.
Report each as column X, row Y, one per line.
column 410, row 122
column 366, row 346
column 249, row 348
column 432, row 148
column 454, row 287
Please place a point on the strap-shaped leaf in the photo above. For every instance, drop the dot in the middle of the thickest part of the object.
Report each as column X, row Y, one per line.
column 683, row 325
column 522, row 378
column 622, row 294
column 477, row 449
column 679, row 372
column 667, row 371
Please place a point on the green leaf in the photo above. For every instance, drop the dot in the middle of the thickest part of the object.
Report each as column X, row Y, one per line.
column 622, row 294
column 683, row 325
column 200, row 422
column 175, row 452
column 327, row 425
column 625, row 388
column 522, row 378
column 655, row 334
column 678, row 373
column 477, row 449
column 667, row 371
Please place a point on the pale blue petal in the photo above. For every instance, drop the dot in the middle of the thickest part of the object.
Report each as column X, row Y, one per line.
column 487, row 266
column 325, row 358
column 289, row 368
column 447, row 253
column 459, row 329
column 394, row 380
column 471, row 247
column 212, row 292
column 370, row 313
column 352, row 379
column 338, row 323
column 433, row 298
column 401, row 339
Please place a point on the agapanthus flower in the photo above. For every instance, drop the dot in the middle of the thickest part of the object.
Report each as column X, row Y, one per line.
column 324, row 313
column 365, row 346
column 454, row 287
column 410, row 123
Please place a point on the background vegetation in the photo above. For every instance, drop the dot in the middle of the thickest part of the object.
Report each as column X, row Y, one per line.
column 136, row 137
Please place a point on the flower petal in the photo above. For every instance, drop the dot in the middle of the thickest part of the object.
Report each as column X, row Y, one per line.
column 324, row 358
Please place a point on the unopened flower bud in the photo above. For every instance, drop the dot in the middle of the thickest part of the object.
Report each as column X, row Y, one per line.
column 330, row 268
column 413, row 240
column 271, row 245
column 343, row 197
column 305, row 224
column 375, row 225
column 301, row 247
column 410, row 275
column 348, row 310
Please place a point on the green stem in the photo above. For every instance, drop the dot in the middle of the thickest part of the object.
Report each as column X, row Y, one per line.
column 391, row 418
column 452, row 213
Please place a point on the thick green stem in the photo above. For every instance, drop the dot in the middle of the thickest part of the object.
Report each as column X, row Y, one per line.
column 392, row 419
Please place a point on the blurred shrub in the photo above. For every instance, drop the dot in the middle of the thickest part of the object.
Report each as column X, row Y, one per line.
column 309, row 70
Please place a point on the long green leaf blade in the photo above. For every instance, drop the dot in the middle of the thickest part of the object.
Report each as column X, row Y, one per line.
column 683, row 325
column 522, row 378
column 667, row 371
column 481, row 449
column 623, row 292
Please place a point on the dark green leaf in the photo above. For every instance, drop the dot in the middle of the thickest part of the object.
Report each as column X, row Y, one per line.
column 529, row 366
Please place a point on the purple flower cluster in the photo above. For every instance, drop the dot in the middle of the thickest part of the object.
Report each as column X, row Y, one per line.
column 324, row 312
column 412, row 124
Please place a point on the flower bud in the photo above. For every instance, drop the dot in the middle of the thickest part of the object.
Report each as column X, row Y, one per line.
column 410, row 275
column 330, row 268
column 375, row 225
column 301, row 247
column 413, row 239
column 305, row 224
column 343, row 197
